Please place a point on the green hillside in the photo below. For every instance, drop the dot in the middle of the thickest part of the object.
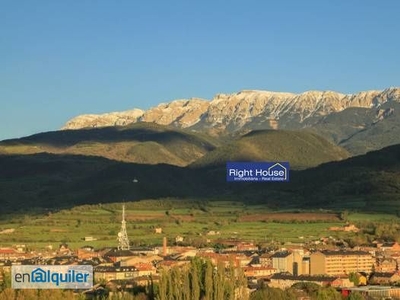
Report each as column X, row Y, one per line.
column 301, row 149
column 141, row 142
column 60, row 181
column 368, row 182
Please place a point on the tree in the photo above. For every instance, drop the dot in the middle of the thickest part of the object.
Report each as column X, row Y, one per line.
column 176, row 282
column 273, row 293
column 328, row 293
column 186, row 293
column 353, row 277
column 194, row 281
column 163, row 285
column 231, row 283
column 6, row 283
column 219, row 279
column 240, row 287
column 355, row 296
column 208, row 280
column 310, row 288
column 202, row 280
column 170, row 287
column 8, row 294
column 150, row 289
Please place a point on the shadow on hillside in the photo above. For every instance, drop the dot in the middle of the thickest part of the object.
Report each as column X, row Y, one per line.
column 369, row 182
column 67, row 138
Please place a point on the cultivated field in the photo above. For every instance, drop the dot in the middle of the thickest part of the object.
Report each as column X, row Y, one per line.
column 198, row 222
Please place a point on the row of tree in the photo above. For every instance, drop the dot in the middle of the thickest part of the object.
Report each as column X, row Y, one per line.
column 202, row 280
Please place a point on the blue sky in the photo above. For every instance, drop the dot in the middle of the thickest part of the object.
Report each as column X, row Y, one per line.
column 59, row 59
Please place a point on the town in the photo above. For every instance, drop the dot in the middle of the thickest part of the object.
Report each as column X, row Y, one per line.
column 367, row 270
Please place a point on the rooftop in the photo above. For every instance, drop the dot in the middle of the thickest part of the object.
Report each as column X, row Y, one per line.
column 119, row 253
column 281, row 254
column 343, row 252
column 288, row 276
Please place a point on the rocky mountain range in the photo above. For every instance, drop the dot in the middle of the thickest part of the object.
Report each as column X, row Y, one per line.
column 235, row 111
column 338, row 117
column 103, row 120
column 167, row 149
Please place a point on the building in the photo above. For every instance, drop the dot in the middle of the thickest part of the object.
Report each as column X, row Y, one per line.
column 116, row 255
column 258, row 271
column 134, row 260
column 11, row 254
column 384, row 278
column 241, row 247
column 285, row 280
column 108, row 273
column 145, row 269
column 305, row 266
column 283, row 261
column 86, row 252
column 389, row 247
column 340, row 262
column 374, row 292
column 266, row 259
column 237, row 260
column 347, row 228
column 386, row 265
column 168, row 264
column 143, row 251
column 64, row 249
column 178, row 239
column 299, row 264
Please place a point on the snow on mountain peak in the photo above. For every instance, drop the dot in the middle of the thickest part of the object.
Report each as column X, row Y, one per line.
column 236, row 110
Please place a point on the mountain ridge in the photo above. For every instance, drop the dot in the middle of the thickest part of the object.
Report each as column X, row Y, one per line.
column 359, row 122
column 238, row 107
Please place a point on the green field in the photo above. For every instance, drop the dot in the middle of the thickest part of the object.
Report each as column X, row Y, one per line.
column 193, row 220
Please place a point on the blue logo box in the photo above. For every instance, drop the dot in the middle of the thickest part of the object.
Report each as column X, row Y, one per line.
column 51, row 276
column 257, row 171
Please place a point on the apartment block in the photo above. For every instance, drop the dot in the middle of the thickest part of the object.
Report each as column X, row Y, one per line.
column 283, row 261
column 340, row 262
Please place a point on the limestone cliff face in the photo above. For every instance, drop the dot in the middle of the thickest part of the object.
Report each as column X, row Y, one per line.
column 283, row 110
column 246, row 109
column 108, row 119
column 181, row 113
